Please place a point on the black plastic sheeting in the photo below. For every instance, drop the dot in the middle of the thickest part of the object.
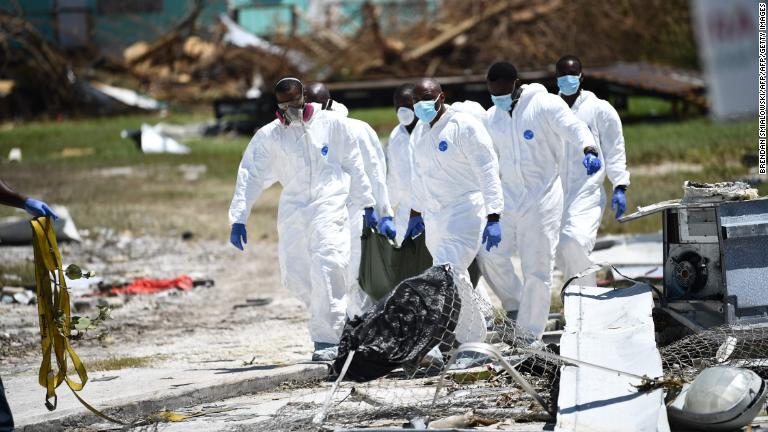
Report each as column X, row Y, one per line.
column 419, row 314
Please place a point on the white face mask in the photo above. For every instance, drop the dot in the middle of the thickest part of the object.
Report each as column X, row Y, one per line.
column 405, row 116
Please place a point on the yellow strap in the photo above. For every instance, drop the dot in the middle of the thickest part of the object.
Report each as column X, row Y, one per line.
column 55, row 316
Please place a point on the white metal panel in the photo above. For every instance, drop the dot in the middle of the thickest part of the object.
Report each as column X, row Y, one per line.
column 611, row 328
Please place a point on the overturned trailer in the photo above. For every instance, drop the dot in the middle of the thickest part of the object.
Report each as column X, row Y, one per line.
column 715, row 265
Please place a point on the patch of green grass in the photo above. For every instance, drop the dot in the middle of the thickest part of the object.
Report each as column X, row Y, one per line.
column 75, row 144
column 643, row 106
column 64, row 163
column 693, row 141
column 382, row 120
column 117, row 363
column 153, row 198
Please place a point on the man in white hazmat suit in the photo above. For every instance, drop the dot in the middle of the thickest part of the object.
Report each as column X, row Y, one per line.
column 584, row 196
column 376, row 169
column 456, row 188
column 400, row 157
column 309, row 151
column 529, row 128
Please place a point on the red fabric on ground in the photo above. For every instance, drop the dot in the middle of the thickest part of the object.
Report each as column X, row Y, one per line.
column 150, row 286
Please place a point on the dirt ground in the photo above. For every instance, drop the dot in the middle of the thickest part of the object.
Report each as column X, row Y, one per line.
column 225, row 321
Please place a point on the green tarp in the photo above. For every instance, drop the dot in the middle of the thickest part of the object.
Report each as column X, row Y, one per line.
column 383, row 265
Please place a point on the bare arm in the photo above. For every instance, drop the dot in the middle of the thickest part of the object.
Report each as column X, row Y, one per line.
column 9, row 197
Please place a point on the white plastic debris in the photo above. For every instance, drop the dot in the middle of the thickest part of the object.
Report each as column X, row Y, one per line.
column 129, row 97
column 14, row 155
column 240, row 37
column 456, row 421
column 154, row 142
column 82, row 286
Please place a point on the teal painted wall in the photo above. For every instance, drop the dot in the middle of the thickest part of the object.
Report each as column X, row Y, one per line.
column 267, row 16
column 38, row 12
column 116, row 31
column 113, row 32
column 264, row 17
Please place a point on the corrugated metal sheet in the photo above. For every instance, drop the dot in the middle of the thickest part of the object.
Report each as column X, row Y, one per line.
column 651, row 79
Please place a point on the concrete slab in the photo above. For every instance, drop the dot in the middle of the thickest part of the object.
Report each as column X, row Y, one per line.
column 131, row 393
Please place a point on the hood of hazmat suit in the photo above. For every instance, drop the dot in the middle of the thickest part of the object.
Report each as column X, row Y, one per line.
column 472, row 108
column 338, row 107
column 312, row 161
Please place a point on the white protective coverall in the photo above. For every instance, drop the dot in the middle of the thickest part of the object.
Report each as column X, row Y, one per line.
column 530, row 144
column 399, row 158
column 455, row 186
column 471, row 107
column 584, row 196
column 375, row 166
column 310, row 160
column 338, row 107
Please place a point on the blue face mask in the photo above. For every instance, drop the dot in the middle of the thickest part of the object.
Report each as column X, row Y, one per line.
column 503, row 102
column 425, row 110
column 569, row 84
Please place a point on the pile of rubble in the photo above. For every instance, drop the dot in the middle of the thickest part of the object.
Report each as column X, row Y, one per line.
column 465, row 37
column 188, row 63
column 182, row 66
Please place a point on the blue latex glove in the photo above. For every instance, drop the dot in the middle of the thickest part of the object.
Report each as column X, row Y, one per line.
column 415, row 227
column 619, row 201
column 238, row 237
column 591, row 163
column 370, row 220
column 387, row 227
column 492, row 235
column 38, row 208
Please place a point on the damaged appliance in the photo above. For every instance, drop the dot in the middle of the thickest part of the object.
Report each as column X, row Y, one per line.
column 715, row 265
